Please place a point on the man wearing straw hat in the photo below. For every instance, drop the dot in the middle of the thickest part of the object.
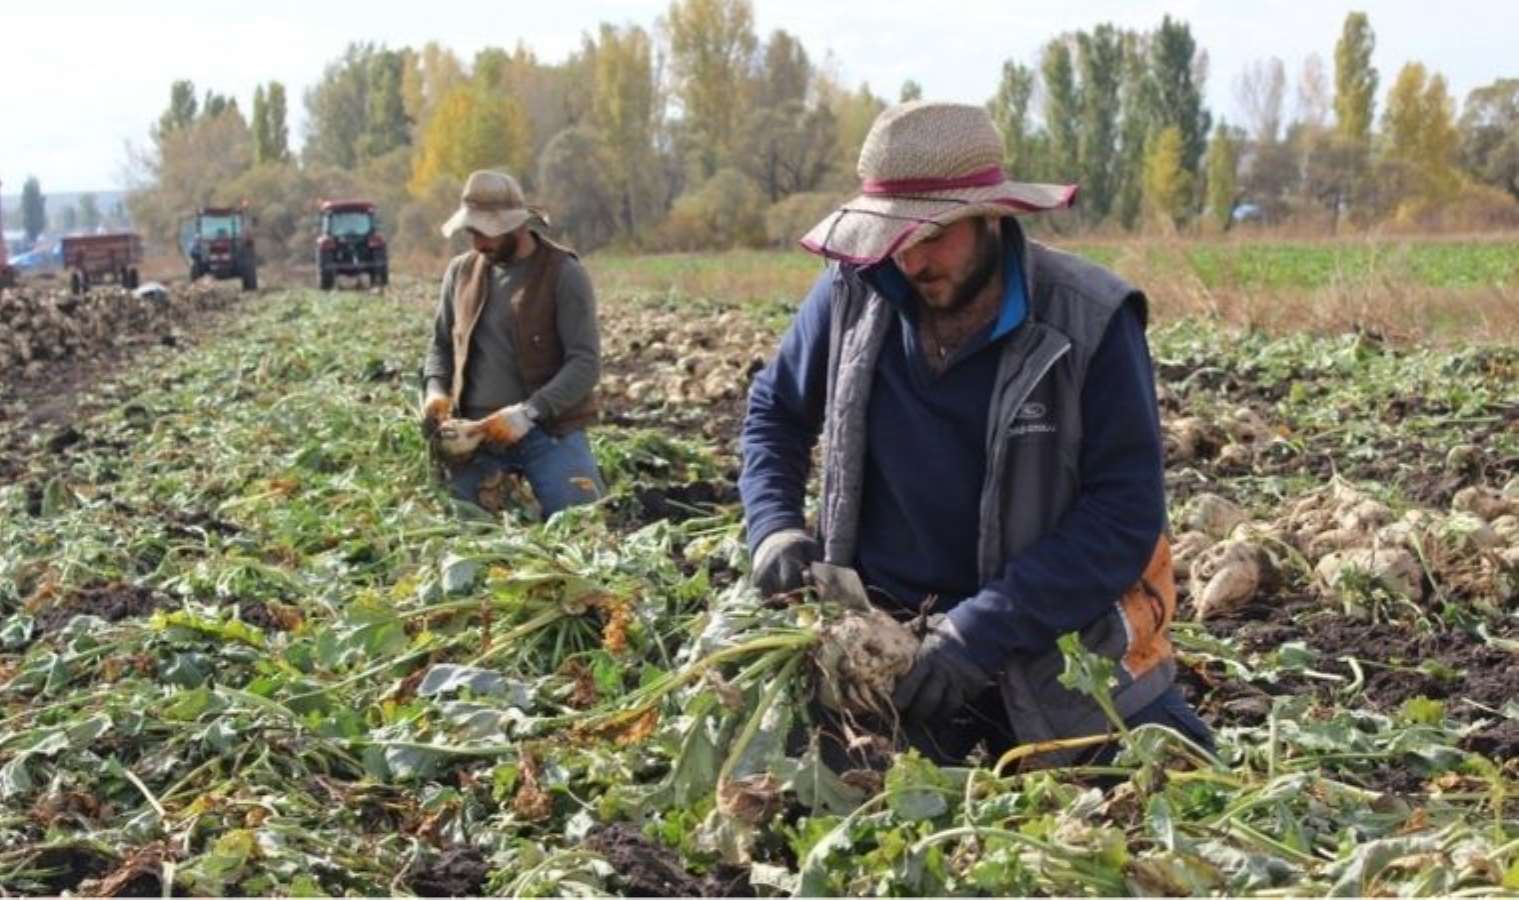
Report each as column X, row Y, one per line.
column 515, row 354
column 991, row 446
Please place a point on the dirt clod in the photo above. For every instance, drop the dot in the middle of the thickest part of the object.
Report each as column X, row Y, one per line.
column 646, row 869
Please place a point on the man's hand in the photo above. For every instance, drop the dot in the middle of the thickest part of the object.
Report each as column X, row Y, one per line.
column 782, row 560
column 943, row 678
column 435, row 411
column 507, row 426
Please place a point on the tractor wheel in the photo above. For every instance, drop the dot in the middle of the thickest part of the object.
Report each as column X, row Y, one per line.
column 250, row 279
column 383, row 275
column 326, row 279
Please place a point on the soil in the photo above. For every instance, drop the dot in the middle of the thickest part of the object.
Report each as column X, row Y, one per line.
column 71, row 866
column 646, row 869
column 1500, row 741
column 260, row 615
column 1456, row 666
column 459, row 871
column 60, row 394
column 1414, row 467
column 111, row 602
column 679, row 502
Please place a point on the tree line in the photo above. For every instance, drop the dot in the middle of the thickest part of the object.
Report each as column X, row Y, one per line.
column 697, row 133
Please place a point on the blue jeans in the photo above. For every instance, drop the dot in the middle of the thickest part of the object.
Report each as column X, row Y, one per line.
column 560, row 470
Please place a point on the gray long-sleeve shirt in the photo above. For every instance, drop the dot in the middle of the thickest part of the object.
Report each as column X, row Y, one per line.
column 491, row 379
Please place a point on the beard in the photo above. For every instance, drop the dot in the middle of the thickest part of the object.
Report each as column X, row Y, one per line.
column 506, row 252
column 981, row 271
column 984, row 264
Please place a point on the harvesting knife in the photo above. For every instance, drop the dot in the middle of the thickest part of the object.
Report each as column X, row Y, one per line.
column 840, row 583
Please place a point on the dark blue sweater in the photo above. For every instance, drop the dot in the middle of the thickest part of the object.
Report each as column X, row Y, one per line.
column 925, row 463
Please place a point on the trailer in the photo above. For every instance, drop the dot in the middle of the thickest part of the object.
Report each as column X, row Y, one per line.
column 97, row 258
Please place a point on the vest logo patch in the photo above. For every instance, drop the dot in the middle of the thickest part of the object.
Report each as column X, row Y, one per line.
column 1030, row 420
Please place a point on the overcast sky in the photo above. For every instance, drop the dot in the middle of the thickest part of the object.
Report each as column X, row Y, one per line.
column 78, row 87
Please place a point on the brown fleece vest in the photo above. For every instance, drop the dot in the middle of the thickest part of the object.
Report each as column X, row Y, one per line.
column 534, row 309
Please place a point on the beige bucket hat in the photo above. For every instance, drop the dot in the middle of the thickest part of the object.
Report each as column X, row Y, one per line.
column 926, row 163
column 491, row 203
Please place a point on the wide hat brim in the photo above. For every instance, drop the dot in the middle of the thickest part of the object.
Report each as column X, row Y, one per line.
column 489, row 222
column 871, row 227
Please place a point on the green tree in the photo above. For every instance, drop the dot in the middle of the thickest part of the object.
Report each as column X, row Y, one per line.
column 1167, row 183
column 1489, row 135
column 1099, row 58
column 1061, row 107
column 1355, row 79
column 386, row 126
column 275, row 120
column 89, row 212
column 337, row 109
column 785, row 71
column 712, row 47
column 69, row 220
column 788, row 145
column 260, row 127
column 911, row 90
column 182, row 107
column 624, row 117
column 1136, row 99
column 1009, row 110
column 1221, row 169
column 215, row 104
column 33, row 209
column 1176, row 71
column 576, row 177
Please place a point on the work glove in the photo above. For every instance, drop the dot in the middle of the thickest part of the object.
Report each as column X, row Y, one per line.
column 508, row 426
column 782, row 560
column 435, row 410
column 943, row 677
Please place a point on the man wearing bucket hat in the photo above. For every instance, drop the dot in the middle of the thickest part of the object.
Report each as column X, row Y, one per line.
column 991, row 445
column 515, row 354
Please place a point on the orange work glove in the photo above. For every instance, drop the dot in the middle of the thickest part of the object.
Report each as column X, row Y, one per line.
column 435, row 410
column 508, row 426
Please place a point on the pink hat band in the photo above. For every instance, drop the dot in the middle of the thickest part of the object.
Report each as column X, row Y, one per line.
column 987, row 177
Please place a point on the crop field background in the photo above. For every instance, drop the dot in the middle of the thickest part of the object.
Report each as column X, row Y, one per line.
column 247, row 646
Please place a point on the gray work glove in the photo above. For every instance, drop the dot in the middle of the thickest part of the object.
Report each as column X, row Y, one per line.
column 782, row 560
column 943, row 677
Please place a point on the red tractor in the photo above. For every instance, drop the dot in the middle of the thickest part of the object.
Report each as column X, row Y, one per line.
column 349, row 243
column 218, row 241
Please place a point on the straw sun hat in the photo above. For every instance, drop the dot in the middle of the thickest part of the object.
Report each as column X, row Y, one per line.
column 926, row 163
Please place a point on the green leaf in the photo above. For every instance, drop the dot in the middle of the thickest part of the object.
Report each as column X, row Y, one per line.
column 16, row 777
column 1421, row 710
column 917, row 788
